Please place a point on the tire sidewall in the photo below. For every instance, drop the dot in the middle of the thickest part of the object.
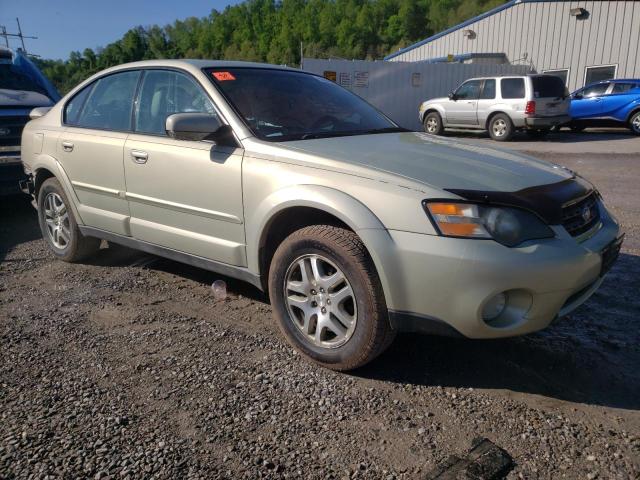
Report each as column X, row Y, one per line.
column 633, row 117
column 53, row 186
column 509, row 132
column 286, row 254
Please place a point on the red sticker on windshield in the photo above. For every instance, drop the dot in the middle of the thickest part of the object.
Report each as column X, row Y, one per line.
column 223, row 76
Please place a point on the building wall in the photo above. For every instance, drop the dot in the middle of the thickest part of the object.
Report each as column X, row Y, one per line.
column 398, row 88
column 549, row 38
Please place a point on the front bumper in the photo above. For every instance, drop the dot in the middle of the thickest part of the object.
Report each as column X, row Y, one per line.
column 546, row 122
column 440, row 285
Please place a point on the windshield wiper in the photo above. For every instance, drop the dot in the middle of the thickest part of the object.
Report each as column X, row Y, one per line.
column 310, row 135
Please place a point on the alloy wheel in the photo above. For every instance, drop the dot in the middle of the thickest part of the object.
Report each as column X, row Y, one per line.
column 432, row 125
column 320, row 301
column 635, row 123
column 57, row 220
column 499, row 127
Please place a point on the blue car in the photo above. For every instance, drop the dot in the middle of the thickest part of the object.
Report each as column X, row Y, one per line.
column 609, row 103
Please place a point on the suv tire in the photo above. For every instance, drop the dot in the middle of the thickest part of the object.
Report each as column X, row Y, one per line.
column 59, row 227
column 634, row 123
column 338, row 268
column 501, row 127
column 433, row 124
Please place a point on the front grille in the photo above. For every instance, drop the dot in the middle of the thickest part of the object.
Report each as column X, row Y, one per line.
column 581, row 216
column 11, row 130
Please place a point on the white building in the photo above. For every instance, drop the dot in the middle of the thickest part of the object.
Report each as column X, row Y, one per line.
column 581, row 41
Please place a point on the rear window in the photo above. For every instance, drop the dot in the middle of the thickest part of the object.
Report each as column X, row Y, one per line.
column 546, row 86
column 512, row 87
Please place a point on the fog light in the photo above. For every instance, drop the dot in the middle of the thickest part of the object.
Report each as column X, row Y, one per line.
column 494, row 307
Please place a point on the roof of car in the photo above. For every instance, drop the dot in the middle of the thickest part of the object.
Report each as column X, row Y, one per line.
column 200, row 64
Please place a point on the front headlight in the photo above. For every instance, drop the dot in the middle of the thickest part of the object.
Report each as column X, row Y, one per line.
column 508, row 226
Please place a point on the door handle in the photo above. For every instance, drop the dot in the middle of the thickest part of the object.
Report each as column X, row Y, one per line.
column 67, row 146
column 139, row 156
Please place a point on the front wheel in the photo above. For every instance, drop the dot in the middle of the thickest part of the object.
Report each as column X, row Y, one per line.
column 433, row 124
column 327, row 297
column 634, row 123
column 59, row 227
column 501, row 127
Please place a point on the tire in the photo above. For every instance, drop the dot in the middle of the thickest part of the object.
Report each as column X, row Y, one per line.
column 542, row 132
column 501, row 127
column 433, row 124
column 311, row 331
column 634, row 123
column 54, row 214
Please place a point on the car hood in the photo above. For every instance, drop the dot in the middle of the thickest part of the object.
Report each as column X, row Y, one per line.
column 23, row 98
column 437, row 161
column 437, row 100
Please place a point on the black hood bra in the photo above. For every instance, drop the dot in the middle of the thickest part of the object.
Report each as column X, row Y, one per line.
column 546, row 201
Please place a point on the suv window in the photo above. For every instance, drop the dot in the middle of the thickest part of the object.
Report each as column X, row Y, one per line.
column 548, row 86
column 74, row 106
column 621, row 87
column 512, row 87
column 164, row 93
column 488, row 90
column 469, row 90
column 110, row 102
column 595, row 90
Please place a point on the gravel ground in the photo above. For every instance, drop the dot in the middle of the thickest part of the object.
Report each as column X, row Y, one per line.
column 126, row 367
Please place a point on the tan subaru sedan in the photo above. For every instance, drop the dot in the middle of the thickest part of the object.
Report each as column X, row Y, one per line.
column 355, row 227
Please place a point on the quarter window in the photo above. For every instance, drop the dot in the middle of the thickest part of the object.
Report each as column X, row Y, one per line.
column 488, row 90
column 597, row 74
column 469, row 90
column 620, row 87
column 110, row 102
column 512, row 87
column 164, row 93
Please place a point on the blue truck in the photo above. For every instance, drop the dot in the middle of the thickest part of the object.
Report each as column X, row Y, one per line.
column 22, row 88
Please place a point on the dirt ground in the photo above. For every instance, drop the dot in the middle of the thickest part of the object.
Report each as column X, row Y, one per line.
column 126, row 367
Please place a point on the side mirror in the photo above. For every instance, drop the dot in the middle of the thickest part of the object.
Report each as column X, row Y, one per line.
column 38, row 112
column 452, row 96
column 193, row 126
column 577, row 96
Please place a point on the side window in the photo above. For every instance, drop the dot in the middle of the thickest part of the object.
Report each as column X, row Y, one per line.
column 164, row 93
column 469, row 90
column 74, row 106
column 110, row 103
column 512, row 87
column 595, row 90
column 488, row 90
column 620, row 87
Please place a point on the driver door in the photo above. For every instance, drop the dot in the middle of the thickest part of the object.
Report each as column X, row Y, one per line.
column 183, row 195
column 463, row 109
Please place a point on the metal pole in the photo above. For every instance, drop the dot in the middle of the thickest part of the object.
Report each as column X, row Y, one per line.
column 4, row 34
column 21, row 37
column 301, row 56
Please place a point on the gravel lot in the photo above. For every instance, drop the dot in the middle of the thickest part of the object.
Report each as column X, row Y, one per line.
column 126, row 367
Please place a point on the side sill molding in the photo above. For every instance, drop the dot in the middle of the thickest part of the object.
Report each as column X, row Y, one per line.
column 412, row 322
column 240, row 273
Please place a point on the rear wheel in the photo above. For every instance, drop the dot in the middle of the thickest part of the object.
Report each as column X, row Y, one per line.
column 433, row 124
column 327, row 297
column 634, row 123
column 501, row 127
column 59, row 227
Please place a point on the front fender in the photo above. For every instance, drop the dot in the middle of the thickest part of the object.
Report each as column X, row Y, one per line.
column 348, row 209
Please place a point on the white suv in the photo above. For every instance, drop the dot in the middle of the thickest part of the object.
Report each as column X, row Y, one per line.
column 501, row 105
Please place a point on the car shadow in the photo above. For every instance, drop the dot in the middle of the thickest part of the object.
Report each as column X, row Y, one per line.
column 563, row 136
column 589, row 357
column 18, row 223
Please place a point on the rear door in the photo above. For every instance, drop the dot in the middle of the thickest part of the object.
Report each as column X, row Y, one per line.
column 486, row 100
column 616, row 102
column 464, row 109
column 550, row 94
column 587, row 103
column 183, row 195
column 90, row 149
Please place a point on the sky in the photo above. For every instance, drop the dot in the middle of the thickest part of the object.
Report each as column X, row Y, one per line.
column 66, row 25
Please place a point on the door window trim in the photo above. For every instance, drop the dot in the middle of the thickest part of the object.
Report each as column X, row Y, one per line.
column 586, row 70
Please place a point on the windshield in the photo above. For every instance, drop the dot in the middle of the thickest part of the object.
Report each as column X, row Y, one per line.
column 281, row 105
column 546, row 86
